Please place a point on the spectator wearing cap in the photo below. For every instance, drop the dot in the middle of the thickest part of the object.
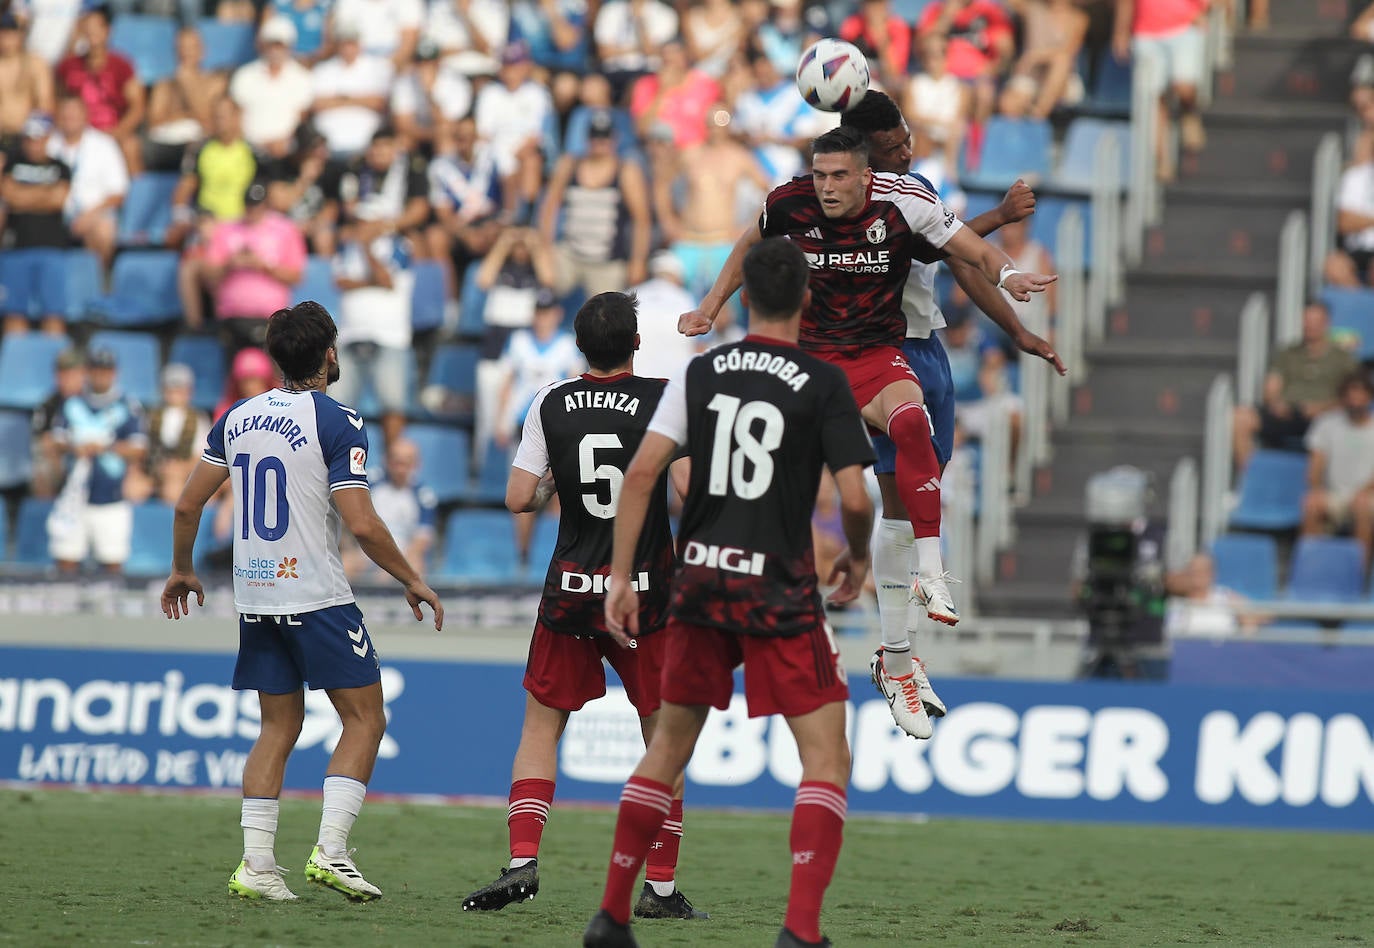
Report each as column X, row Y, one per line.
column 274, row 91
column 101, row 432
column 389, row 28
column 469, row 34
column 69, row 380
column 351, row 91
column 176, row 437
column 559, row 41
column 107, row 83
column 309, row 21
column 181, row 106
column 465, row 194
column 25, row 82
column 513, row 116
column 663, row 351
column 677, row 96
column 596, row 215
column 250, row 267
column 630, row 35
column 427, row 95
column 34, row 188
column 407, row 507
column 100, row 178
column 214, row 175
column 776, row 121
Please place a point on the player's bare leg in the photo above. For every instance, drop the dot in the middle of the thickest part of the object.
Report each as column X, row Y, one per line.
column 660, row 897
column 817, row 819
column 258, row 876
column 644, row 803
column 345, row 787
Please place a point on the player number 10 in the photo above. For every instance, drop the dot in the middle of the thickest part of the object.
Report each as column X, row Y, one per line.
column 736, row 426
column 256, row 499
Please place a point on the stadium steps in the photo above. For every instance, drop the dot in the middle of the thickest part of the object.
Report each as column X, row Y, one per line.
column 1142, row 399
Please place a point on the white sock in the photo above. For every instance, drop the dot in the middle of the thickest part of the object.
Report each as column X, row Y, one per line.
column 517, row 861
column 892, row 576
column 343, row 799
column 664, row 889
column 930, row 560
column 259, row 822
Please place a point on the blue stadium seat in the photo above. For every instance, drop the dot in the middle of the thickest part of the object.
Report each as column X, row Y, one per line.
column 427, row 297
column 42, row 281
column 151, row 554
column 1049, row 211
column 479, row 546
column 1111, row 90
column 31, row 533
column 82, row 283
column 1012, row 148
column 147, row 210
column 227, row 45
column 16, row 464
column 911, row 10
column 26, row 365
column 139, row 358
column 1326, row 569
column 454, row 367
column 143, row 290
column 1352, row 313
column 205, row 356
column 1247, row 563
column 317, row 283
column 149, row 42
column 472, row 304
column 1078, row 156
column 445, row 459
column 1271, row 490
column 542, row 545
column 493, row 471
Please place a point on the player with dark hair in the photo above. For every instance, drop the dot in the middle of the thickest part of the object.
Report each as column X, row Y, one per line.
column 582, row 432
column 759, row 419
column 860, row 230
column 897, row 672
column 298, row 464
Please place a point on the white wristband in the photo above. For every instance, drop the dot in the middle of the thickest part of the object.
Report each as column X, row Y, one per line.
column 1007, row 270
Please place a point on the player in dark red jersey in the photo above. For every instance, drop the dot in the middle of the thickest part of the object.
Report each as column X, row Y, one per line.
column 581, row 433
column 859, row 230
column 759, row 418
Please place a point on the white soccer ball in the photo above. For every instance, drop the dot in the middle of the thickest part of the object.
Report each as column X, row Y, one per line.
column 832, row 75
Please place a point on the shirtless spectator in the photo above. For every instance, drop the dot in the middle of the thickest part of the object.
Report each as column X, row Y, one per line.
column 180, row 105
column 677, row 96
column 603, row 202
column 1044, row 75
column 274, row 91
column 107, row 83
column 100, row 179
column 1301, row 383
column 629, row 36
column 25, row 83
column 512, row 115
column 351, row 93
column 703, row 229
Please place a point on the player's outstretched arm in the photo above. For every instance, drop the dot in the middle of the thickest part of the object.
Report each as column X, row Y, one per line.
column 641, row 479
column 731, row 277
column 205, row 479
column 991, row 301
column 856, row 517
column 996, row 266
column 1017, row 204
column 355, row 506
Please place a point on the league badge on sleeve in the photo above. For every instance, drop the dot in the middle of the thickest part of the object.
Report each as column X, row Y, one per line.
column 357, row 461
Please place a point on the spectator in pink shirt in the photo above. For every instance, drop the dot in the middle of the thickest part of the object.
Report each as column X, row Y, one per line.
column 1169, row 32
column 251, row 266
column 979, row 42
column 677, row 96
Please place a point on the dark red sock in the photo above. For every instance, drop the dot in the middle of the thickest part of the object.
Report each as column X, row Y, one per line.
column 661, row 866
column 643, row 805
column 528, row 811
column 817, row 831
column 918, row 469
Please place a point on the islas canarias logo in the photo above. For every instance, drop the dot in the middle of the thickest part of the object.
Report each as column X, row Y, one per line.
column 286, row 569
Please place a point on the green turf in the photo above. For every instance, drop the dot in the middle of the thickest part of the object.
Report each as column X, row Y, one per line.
column 126, row 869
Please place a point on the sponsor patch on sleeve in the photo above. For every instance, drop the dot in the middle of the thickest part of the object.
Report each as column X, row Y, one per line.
column 357, row 461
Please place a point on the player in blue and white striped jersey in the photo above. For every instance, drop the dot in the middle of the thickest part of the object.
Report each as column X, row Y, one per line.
column 297, row 461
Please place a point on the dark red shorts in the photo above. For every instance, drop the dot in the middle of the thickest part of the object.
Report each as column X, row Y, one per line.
column 869, row 370
column 790, row 675
column 565, row 671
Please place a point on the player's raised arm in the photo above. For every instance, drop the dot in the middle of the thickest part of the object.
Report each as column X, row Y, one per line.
column 996, row 266
column 355, row 506
column 641, row 480
column 205, row 479
column 990, row 300
column 731, row 277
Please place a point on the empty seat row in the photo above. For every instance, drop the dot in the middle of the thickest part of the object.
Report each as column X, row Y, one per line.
column 1322, row 569
column 1024, row 148
column 150, row 44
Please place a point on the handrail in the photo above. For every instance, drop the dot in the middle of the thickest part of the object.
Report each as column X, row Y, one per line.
column 1181, row 540
column 1141, row 193
column 961, row 529
column 1106, row 236
column 1068, row 333
column 1326, row 176
column 994, row 514
column 1253, row 354
column 1035, row 382
column 1292, row 280
column 1216, row 458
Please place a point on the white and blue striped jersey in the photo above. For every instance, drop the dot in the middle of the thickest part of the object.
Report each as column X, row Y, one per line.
column 287, row 452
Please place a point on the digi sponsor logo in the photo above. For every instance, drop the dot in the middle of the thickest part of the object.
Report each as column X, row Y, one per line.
column 598, row 583
column 286, row 568
column 728, row 558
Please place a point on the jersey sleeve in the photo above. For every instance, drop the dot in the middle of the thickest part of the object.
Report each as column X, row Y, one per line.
column 533, row 453
column 343, row 442
column 214, row 452
column 776, row 216
column 844, row 442
column 670, row 418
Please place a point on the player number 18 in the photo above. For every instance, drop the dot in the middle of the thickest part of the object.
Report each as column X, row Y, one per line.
column 730, row 467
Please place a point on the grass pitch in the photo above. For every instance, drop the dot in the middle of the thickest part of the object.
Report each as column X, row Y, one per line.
column 129, row 869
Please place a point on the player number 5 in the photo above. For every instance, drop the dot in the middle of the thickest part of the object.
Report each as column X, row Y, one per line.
column 593, row 472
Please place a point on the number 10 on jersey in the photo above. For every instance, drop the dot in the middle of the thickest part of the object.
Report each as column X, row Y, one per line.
column 255, row 500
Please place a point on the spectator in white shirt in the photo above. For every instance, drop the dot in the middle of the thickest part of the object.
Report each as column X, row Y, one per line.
column 351, row 93
column 628, row 35
column 512, row 117
column 275, row 92
column 470, row 34
column 1350, row 263
column 427, row 95
column 50, row 26
column 100, row 178
column 663, row 351
column 389, row 28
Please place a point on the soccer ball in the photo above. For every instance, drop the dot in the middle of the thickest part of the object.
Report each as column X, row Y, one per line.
column 832, row 75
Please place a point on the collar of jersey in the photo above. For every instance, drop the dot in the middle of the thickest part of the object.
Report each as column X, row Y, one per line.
column 606, row 379
column 769, row 341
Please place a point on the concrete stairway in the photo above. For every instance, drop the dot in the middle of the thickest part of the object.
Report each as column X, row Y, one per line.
column 1143, row 398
